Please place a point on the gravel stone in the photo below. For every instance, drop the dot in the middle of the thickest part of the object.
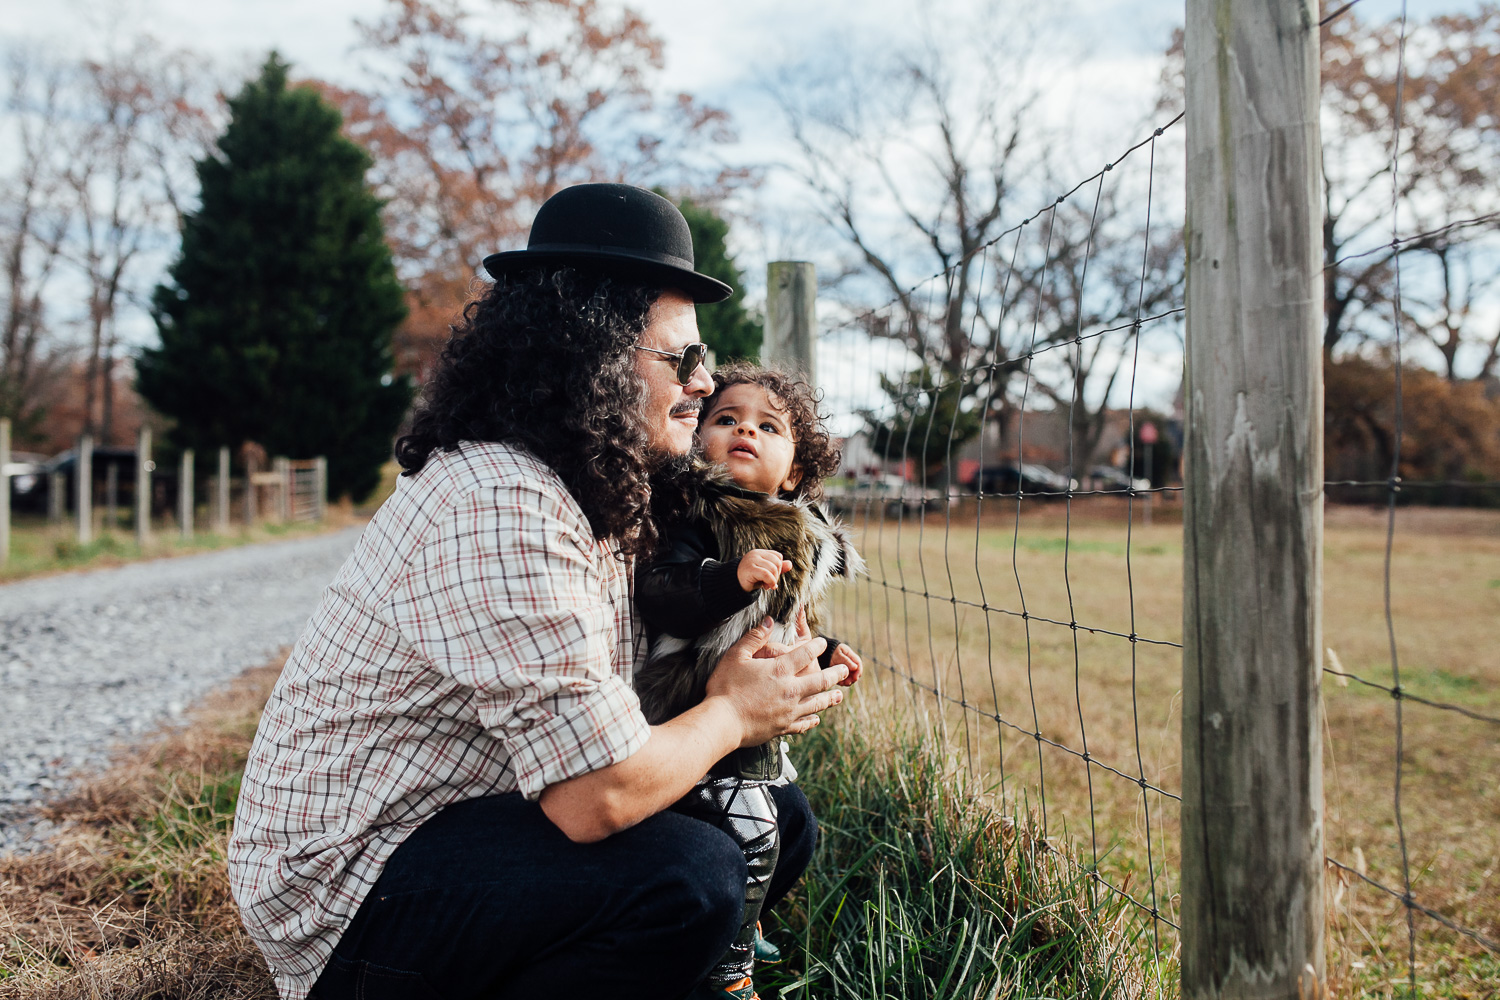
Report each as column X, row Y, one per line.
column 90, row 661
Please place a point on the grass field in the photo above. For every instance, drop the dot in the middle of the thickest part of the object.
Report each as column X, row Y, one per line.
column 39, row 548
column 928, row 883
column 1086, row 690
column 921, row 888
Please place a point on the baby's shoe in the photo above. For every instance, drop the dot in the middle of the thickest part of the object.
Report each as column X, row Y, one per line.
column 765, row 952
column 742, row 990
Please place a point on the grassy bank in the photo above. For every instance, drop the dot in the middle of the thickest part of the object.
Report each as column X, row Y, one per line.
column 926, row 886
column 132, row 902
column 982, row 608
column 41, row 549
column 921, row 887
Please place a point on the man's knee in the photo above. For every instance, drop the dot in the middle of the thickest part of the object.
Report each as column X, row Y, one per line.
column 698, row 888
column 799, row 827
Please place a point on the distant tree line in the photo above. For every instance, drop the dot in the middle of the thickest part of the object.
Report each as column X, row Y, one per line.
column 291, row 318
column 923, row 158
column 919, row 158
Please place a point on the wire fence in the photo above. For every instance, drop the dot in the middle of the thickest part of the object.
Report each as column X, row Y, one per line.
column 1020, row 516
column 984, row 598
column 1451, row 889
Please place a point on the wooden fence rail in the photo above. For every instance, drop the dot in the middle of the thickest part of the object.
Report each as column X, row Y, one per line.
column 291, row 490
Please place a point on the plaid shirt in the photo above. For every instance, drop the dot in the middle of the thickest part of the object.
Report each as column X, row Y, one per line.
column 477, row 641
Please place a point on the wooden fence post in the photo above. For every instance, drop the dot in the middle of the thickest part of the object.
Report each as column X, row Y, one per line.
column 111, row 495
column 4, row 490
column 185, row 495
column 143, row 469
column 1252, row 794
column 221, row 493
column 57, row 503
column 320, row 487
column 283, row 468
column 791, row 331
column 250, row 487
column 83, row 488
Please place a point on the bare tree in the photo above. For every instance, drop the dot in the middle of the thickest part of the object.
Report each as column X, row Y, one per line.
column 484, row 111
column 1445, row 306
column 34, row 216
column 914, row 156
column 1108, row 279
column 926, row 160
column 140, row 118
column 1432, row 84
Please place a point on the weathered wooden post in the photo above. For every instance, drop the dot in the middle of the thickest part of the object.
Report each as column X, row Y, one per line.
column 111, row 495
column 221, row 493
column 1252, row 793
column 250, row 488
column 143, row 469
column 283, row 468
column 83, row 488
column 4, row 490
column 320, row 485
column 57, row 503
column 185, row 495
column 791, row 333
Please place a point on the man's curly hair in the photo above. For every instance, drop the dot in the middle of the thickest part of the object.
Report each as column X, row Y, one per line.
column 543, row 360
column 816, row 454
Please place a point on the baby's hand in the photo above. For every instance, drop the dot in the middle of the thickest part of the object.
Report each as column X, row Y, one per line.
column 761, row 569
column 845, row 656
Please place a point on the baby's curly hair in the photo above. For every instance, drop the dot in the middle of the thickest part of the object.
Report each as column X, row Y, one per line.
column 816, row 455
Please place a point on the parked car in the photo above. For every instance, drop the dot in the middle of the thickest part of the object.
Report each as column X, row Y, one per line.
column 1027, row 477
column 1108, row 479
column 890, row 493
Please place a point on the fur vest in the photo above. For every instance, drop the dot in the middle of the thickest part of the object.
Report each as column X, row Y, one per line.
column 675, row 674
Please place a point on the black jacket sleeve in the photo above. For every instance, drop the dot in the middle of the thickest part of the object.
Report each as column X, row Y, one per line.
column 685, row 590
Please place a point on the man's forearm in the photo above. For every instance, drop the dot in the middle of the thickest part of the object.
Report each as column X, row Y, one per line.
column 680, row 751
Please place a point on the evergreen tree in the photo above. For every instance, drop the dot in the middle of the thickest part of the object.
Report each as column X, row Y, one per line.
column 929, row 424
column 727, row 329
column 276, row 322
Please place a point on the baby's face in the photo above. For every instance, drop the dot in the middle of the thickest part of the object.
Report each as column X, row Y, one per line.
column 745, row 429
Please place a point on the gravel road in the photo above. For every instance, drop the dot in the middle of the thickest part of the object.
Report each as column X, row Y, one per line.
column 90, row 660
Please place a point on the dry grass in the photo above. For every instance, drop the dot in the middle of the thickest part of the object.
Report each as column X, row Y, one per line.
column 133, row 900
column 1123, row 699
column 42, row 549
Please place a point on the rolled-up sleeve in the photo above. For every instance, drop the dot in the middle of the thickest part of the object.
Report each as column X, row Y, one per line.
column 510, row 596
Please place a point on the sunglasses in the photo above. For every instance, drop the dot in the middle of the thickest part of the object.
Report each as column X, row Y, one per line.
column 688, row 359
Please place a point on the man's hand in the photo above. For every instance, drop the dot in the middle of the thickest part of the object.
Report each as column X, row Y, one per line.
column 761, row 569
column 758, row 691
column 846, row 657
column 777, row 695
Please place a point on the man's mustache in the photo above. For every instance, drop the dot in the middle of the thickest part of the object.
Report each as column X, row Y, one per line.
column 687, row 406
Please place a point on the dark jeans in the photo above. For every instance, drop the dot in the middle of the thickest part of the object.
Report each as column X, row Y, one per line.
column 489, row 899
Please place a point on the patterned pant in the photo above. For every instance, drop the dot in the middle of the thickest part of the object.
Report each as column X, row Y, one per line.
column 744, row 810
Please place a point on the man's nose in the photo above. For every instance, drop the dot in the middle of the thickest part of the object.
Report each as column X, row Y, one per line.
column 701, row 384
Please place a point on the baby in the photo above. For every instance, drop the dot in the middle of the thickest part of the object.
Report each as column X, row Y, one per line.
column 747, row 541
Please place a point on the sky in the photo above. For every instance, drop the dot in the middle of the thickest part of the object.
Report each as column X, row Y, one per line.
column 1100, row 75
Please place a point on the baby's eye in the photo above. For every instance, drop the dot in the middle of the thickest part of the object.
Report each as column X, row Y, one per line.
column 724, row 420
column 769, row 428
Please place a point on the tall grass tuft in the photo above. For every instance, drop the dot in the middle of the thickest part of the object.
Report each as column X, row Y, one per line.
column 132, row 901
column 925, row 886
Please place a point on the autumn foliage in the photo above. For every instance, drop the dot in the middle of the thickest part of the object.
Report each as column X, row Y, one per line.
column 1449, row 431
column 482, row 113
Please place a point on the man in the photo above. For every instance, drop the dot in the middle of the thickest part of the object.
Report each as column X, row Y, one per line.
column 453, row 792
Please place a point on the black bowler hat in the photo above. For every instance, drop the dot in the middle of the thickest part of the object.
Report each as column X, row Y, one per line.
column 615, row 227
